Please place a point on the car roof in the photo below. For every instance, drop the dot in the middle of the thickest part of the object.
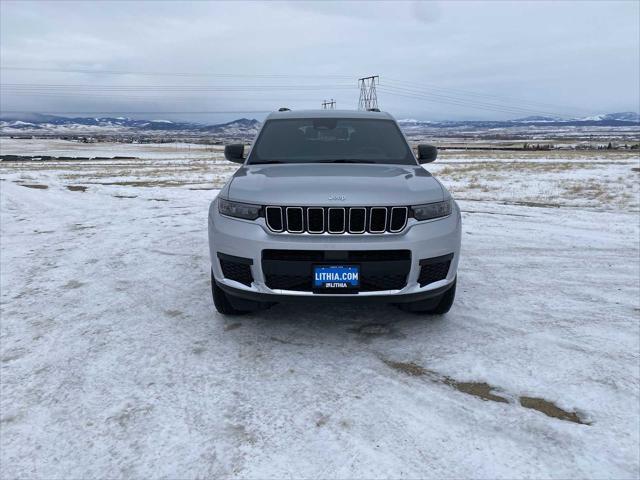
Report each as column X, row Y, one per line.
column 329, row 114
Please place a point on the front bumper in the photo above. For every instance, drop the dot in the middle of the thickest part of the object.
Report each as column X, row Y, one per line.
column 247, row 239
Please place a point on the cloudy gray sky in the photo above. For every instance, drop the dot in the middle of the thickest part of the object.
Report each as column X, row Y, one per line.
column 436, row 60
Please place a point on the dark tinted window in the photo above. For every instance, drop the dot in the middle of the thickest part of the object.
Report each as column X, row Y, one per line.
column 329, row 140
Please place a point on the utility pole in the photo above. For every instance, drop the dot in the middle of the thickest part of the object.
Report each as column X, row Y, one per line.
column 368, row 96
column 331, row 105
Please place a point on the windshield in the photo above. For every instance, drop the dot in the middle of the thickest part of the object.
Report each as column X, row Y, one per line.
column 331, row 140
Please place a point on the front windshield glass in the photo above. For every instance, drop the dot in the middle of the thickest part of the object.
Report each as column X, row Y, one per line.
column 331, row 140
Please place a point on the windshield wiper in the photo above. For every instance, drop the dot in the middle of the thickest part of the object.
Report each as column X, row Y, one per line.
column 266, row 162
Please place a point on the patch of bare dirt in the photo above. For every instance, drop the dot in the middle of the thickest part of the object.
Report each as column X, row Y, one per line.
column 487, row 392
column 159, row 183
column 477, row 389
column 409, row 368
column 551, row 410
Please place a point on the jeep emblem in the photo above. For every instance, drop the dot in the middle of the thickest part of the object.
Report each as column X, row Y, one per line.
column 337, row 197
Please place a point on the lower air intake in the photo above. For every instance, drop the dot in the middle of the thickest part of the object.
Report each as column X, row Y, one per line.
column 379, row 269
column 236, row 268
column 434, row 269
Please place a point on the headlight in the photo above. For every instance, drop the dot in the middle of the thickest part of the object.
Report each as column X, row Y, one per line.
column 238, row 210
column 432, row 210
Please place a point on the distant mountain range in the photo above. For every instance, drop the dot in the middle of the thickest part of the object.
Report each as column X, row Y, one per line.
column 35, row 123
column 39, row 123
column 604, row 117
column 620, row 119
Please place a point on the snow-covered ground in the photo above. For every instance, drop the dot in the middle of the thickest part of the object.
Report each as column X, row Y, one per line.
column 149, row 151
column 114, row 363
column 593, row 180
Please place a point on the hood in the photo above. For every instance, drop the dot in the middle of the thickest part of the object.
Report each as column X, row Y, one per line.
column 334, row 185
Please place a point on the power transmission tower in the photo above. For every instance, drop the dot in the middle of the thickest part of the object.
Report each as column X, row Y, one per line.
column 368, row 96
column 329, row 105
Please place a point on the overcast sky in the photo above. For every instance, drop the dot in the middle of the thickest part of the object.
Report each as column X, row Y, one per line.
column 436, row 60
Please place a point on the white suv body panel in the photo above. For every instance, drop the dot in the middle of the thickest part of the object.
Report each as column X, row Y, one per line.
column 247, row 239
column 333, row 185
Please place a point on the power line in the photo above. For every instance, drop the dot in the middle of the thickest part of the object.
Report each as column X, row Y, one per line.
column 152, row 97
column 171, row 74
column 196, row 88
column 449, row 102
column 501, row 98
column 367, row 100
column 120, row 112
column 452, row 100
column 465, row 101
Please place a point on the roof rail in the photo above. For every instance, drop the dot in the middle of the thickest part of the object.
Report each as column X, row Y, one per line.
column 284, row 109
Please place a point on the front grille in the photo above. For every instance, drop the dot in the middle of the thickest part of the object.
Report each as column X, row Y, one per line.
column 357, row 220
column 336, row 220
column 295, row 219
column 434, row 269
column 236, row 268
column 398, row 219
column 378, row 220
column 274, row 218
column 315, row 220
column 379, row 269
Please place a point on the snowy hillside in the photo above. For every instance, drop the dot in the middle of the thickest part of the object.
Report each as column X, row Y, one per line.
column 51, row 124
column 40, row 124
column 616, row 117
column 623, row 119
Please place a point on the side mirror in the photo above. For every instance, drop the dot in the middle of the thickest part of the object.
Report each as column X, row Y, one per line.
column 427, row 153
column 234, row 152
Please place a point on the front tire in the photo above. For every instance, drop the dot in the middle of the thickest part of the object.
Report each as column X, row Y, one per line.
column 445, row 303
column 221, row 302
column 433, row 306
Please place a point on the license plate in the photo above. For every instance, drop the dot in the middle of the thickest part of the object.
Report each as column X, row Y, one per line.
column 336, row 277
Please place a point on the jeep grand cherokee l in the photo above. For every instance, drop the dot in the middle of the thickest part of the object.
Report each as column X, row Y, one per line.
column 333, row 205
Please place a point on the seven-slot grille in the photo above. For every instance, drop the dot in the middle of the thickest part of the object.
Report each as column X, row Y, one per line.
column 336, row 220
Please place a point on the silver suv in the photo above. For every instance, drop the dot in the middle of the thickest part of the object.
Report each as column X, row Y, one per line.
column 333, row 206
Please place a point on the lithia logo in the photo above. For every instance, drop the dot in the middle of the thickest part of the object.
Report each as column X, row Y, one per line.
column 341, row 198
